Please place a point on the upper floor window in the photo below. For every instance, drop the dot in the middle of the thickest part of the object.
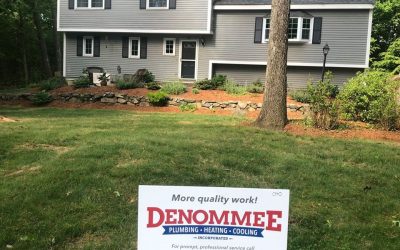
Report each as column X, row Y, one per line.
column 299, row 29
column 88, row 46
column 89, row 4
column 157, row 4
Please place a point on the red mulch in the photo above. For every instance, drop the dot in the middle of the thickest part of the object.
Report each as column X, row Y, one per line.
column 359, row 131
column 204, row 95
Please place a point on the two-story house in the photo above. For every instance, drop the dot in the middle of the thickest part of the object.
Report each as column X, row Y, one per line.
column 195, row 39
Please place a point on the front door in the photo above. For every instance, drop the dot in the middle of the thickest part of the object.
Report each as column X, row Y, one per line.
column 188, row 59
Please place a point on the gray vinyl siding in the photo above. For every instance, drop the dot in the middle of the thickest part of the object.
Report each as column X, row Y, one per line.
column 297, row 76
column 125, row 14
column 346, row 32
column 164, row 67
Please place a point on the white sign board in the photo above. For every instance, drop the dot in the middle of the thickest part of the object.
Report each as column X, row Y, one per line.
column 187, row 218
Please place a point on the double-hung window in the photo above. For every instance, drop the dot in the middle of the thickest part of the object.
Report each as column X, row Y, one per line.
column 169, row 47
column 134, row 47
column 299, row 29
column 88, row 46
column 89, row 4
column 157, row 4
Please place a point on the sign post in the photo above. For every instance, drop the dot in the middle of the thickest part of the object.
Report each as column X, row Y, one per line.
column 212, row 218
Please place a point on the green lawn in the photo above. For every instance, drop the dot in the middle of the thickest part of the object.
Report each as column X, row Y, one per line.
column 69, row 178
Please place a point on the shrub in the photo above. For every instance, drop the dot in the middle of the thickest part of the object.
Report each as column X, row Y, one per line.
column 300, row 96
column 128, row 85
column 148, row 77
column 141, row 76
column 82, row 82
column 370, row 96
column 190, row 107
column 219, row 81
column 42, row 98
column 174, row 88
column 158, row 98
column 216, row 82
column 256, row 87
column 204, row 84
column 324, row 107
column 153, row 86
column 195, row 91
column 52, row 83
column 233, row 88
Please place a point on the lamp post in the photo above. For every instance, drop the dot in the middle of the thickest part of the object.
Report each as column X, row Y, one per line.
column 325, row 50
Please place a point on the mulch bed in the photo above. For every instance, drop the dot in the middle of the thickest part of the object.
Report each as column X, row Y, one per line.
column 355, row 130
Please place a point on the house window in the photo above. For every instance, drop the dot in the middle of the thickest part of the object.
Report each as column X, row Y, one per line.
column 293, row 28
column 88, row 46
column 169, row 47
column 157, row 4
column 299, row 29
column 306, row 31
column 89, row 4
column 134, row 47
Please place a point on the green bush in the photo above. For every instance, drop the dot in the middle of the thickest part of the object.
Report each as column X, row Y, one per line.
column 128, row 85
column 190, row 107
column 82, row 82
column 216, row 82
column 41, row 98
column 324, row 108
column 148, row 77
column 370, row 97
column 256, row 87
column 195, row 91
column 233, row 88
column 300, row 96
column 153, row 86
column 174, row 88
column 158, row 98
column 52, row 83
column 204, row 84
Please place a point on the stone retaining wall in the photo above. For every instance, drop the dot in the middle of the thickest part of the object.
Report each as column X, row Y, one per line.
column 143, row 101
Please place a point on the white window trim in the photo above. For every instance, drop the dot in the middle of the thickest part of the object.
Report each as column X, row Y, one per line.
column 89, row 6
column 299, row 30
column 84, row 46
column 165, row 46
column 156, row 8
column 130, row 47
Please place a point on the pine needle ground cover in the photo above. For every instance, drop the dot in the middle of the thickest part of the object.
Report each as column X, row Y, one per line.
column 69, row 178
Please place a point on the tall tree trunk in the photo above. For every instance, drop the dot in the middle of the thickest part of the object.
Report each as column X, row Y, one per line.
column 42, row 42
column 56, row 39
column 274, row 111
column 21, row 40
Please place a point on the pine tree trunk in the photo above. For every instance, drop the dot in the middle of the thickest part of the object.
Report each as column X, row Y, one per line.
column 42, row 42
column 273, row 114
column 57, row 40
column 21, row 41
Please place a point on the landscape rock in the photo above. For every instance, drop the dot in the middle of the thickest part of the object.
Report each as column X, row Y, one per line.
column 108, row 100
column 242, row 105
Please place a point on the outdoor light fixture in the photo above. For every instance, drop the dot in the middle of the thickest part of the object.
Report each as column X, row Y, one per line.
column 325, row 50
column 119, row 69
column 203, row 42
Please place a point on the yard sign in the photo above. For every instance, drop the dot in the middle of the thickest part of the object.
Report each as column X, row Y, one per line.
column 212, row 218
